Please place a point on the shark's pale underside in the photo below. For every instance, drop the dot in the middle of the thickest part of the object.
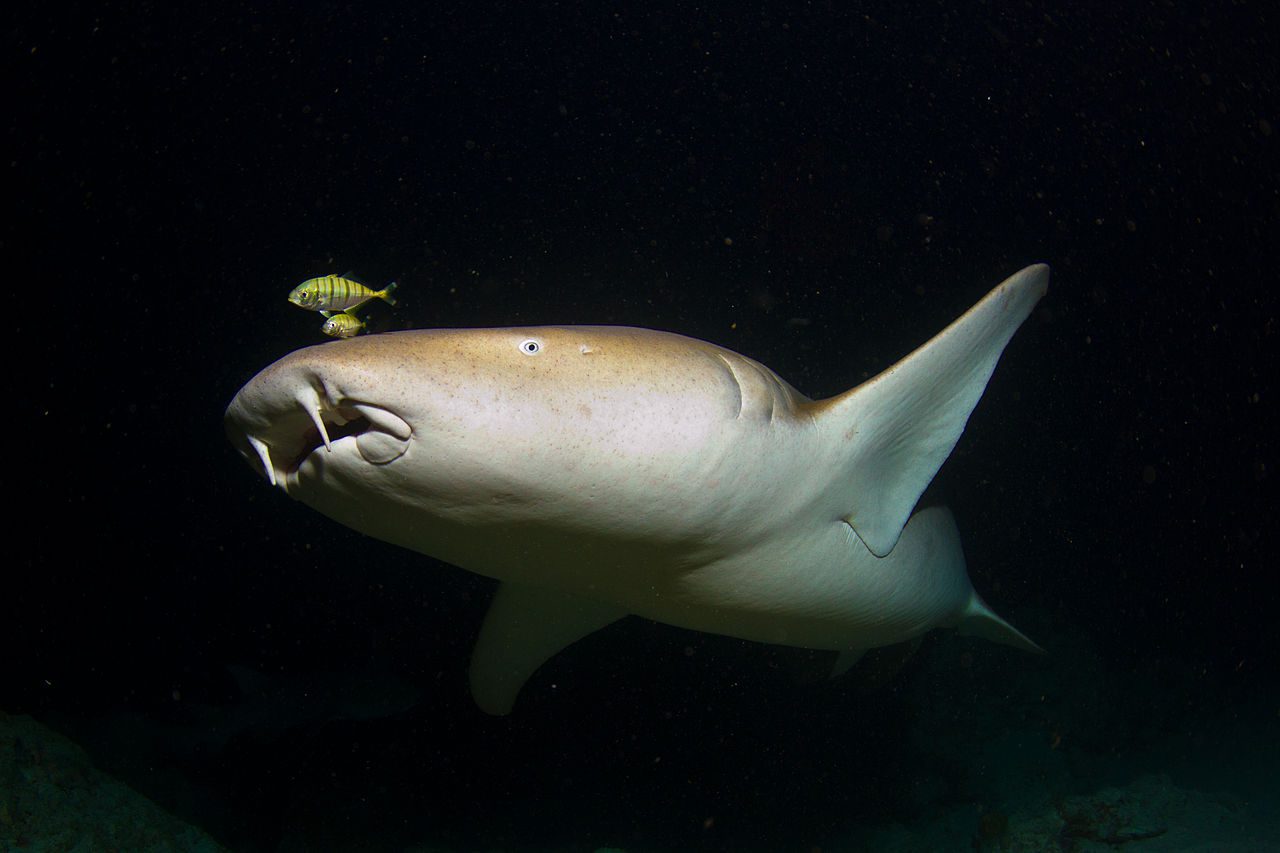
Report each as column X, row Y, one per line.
column 600, row 471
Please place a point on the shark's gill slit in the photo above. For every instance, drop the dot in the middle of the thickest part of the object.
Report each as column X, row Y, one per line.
column 733, row 378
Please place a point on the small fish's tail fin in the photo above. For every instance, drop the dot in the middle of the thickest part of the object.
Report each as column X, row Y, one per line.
column 890, row 434
column 387, row 294
column 979, row 620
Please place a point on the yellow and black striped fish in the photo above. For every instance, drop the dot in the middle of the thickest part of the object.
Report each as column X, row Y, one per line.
column 337, row 293
column 342, row 324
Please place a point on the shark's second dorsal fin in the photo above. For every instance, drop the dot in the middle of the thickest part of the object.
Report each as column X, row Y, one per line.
column 893, row 432
column 524, row 627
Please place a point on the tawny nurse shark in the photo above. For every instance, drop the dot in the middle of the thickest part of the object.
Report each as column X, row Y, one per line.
column 602, row 471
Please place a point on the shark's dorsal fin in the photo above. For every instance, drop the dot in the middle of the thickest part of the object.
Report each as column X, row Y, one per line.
column 525, row 626
column 894, row 431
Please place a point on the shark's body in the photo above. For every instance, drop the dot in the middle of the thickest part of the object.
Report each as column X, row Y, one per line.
column 602, row 471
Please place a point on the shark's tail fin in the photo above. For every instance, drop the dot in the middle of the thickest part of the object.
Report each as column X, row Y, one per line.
column 979, row 620
column 892, row 433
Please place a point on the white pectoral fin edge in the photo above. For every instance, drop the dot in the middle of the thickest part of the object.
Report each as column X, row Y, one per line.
column 525, row 626
column 904, row 422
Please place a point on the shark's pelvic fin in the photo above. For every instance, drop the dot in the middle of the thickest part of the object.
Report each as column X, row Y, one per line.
column 899, row 427
column 525, row 626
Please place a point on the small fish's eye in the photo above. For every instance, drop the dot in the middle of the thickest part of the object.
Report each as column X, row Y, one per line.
column 530, row 347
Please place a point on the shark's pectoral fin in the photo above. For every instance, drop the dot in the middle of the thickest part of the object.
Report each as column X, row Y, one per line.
column 898, row 428
column 525, row 626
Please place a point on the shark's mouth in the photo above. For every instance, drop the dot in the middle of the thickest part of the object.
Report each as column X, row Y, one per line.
column 283, row 441
column 329, row 429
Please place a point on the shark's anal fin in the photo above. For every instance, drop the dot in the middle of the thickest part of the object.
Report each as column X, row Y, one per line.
column 525, row 626
column 899, row 427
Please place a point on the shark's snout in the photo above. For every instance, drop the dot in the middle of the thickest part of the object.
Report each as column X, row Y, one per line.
column 290, row 413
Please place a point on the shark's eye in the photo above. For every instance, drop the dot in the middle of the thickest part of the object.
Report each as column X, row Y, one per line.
column 530, row 347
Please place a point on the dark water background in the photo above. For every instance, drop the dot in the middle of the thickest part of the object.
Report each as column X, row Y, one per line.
column 821, row 189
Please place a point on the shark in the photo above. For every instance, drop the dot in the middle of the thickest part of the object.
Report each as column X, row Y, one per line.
column 598, row 472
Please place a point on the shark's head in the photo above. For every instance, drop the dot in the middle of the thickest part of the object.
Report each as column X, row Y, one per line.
column 414, row 436
column 315, row 413
column 371, row 416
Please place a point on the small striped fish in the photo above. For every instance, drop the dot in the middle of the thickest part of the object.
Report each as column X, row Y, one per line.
column 337, row 293
column 342, row 325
